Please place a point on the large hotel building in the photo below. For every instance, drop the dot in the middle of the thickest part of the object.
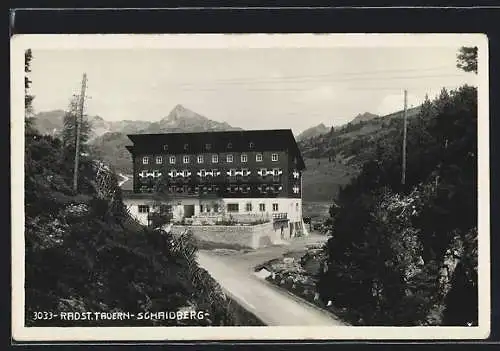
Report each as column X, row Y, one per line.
column 213, row 177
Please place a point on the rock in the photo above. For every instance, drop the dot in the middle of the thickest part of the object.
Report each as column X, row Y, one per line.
column 263, row 273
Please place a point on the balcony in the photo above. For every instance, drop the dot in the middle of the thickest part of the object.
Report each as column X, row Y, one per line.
column 280, row 216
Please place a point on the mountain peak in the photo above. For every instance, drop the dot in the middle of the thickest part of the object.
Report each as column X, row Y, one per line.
column 181, row 112
column 362, row 117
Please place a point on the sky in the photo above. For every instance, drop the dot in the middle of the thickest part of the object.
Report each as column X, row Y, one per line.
column 268, row 88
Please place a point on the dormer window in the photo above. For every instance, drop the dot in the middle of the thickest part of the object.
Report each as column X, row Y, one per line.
column 165, row 147
column 186, row 146
column 186, row 159
column 251, row 145
column 229, row 158
column 200, row 159
column 208, row 146
column 274, row 157
column 229, row 145
column 145, row 160
column 244, row 158
column 258, row 157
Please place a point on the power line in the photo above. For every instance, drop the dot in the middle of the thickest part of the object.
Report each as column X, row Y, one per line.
column 330, row 83
column 331, row 74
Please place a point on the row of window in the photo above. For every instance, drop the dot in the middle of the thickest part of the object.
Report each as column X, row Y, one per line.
column 229, row 145
column 231, row 189
column 215, row 159
column 231, row 207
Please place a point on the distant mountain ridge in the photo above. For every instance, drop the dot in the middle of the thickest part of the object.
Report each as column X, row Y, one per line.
column 363, row 117
column 312, row 132
column 51, row 122
column 180, row 119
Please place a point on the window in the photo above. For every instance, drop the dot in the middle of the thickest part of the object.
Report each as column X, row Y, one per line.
column 143, row 208
column 215, row 158
column 165, row 147
column 297, row 206
column 274, row 157
column 275, row 207
column 174, row 173
column 165, row 208
column 245, row 172
column 229, row 158
column 232, row 172
column 185, row 173
column 200, row 159
column 159, row 160
column 203, row 173
column 216, row 208
column 186, row 159
column 208, row 146
column 214, row 172
column 145, row 160
column 251, row 145
column 156, row 173
column 275, row 172
column 258, row 157
column 172, row 160
column 248, row 207
column 262, row 207
column 244, row 158
column 201, row 208
column 263, row 172
column 233, row 207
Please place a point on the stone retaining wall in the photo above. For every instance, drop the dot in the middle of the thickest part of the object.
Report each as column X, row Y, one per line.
column 250, row 236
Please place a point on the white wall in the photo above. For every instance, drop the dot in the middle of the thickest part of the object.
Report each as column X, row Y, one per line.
column 133, row 207
column 285, row 205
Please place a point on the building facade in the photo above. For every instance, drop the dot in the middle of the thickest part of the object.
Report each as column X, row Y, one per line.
column 239, row 176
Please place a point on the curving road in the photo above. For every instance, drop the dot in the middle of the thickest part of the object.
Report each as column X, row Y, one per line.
column 235, row 273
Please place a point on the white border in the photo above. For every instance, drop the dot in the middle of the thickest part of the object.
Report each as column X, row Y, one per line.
column 20, row 43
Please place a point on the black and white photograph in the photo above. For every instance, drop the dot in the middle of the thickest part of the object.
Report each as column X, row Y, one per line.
column 306, row 186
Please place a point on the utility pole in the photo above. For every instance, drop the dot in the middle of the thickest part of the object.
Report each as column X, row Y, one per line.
column 403, row 173
column 79, row 120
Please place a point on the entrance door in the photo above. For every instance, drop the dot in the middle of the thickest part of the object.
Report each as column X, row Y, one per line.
column 188, row 211
column 291, row 229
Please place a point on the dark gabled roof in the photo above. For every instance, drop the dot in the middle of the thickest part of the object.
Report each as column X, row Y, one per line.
column 220, row 141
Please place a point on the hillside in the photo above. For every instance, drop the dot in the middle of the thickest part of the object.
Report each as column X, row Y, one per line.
column 363, row 117
column 85, row 253
column 334, row 158
column 405, row 254
column 313, row 132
